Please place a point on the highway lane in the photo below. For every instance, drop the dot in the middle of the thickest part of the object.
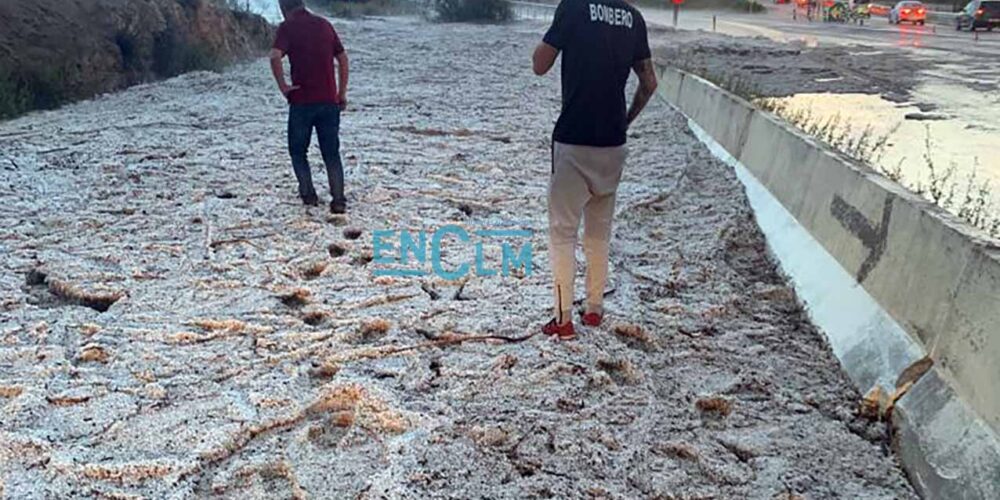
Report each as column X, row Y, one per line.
column 778, row 24
column 960, row 79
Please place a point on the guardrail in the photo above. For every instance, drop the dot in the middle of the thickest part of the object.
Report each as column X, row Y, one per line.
column 532, row 10
column 893, row 280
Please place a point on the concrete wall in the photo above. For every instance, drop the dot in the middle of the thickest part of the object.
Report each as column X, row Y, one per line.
column 935, row 277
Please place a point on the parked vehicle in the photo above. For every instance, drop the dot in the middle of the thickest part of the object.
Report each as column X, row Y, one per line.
column 908, row 11
column 979, row 14
column 837, row 13
column 878, row 9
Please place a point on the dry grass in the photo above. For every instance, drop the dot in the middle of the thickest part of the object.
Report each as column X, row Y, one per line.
column 972, row 201
column 715, row 405
column 280, row 469
column 226, row 325
column 89, row 330
column 215, row 329
column 374, row 328
column 93, row 353
column 98, row 300
column 351, row 404
column 10, row 391
column 380, row 300
column 294, row 297
column 682, row 451
column 325, row 369
column 872, row 404
column 128, row 473
column 184, row 338
column 621, row 369
column 313, row 270
column 489, row 436
column 635, row 335
column 315, row 317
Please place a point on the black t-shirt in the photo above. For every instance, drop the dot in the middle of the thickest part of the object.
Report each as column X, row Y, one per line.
column 600, row 41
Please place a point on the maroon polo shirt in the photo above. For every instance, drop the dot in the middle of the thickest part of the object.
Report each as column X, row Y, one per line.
column 311, row 44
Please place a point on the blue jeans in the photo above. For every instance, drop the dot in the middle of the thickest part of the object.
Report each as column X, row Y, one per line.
column 325, row 118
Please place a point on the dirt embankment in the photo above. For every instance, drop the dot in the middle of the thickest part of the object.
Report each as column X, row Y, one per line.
column 54, row 51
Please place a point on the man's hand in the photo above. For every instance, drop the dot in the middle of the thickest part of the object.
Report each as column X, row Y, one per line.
column 647, row 86
column 278, row 70
column 287, row 89
column 343, row 77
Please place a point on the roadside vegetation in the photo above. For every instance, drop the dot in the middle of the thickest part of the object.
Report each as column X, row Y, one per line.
column 120, row 53
column 970, row 198
column 15, row 98
column 33, row 87
column 484, row 11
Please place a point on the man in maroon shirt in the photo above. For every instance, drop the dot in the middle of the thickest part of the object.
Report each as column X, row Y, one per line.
column 315, row 97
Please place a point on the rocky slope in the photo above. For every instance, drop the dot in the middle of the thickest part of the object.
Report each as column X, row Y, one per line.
column 54, row 51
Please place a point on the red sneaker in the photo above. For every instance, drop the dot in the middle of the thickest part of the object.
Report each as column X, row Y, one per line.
column 564, row 332
column 592, row 319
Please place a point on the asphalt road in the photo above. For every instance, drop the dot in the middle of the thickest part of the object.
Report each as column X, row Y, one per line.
column 960, row 76
column 930, row 40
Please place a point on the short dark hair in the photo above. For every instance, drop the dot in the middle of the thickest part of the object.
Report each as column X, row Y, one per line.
column 287, row 5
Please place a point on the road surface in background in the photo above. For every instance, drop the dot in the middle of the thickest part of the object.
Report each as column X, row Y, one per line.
column 960, row 81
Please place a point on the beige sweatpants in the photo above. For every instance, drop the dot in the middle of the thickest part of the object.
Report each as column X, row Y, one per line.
column 583, row 184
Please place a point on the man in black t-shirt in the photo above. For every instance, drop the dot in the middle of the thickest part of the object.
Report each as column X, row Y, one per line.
column 601, row 42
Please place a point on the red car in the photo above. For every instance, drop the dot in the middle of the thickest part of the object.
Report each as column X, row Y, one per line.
column 908, row 11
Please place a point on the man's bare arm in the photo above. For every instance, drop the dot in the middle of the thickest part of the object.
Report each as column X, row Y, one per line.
column 279, row 72
column 343, row 76
column 544, row 58
column 647, row 86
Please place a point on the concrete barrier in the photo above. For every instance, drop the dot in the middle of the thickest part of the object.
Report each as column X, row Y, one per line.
column 917, row 284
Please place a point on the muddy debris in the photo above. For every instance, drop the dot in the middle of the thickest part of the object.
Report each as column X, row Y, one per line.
column 314, row 270
column 352, row 233
column 315, row 318
column 295, row 297
column 336, row 250
column 363, row 258
column 431, row 292
column 36, row 277
column 204, row 383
